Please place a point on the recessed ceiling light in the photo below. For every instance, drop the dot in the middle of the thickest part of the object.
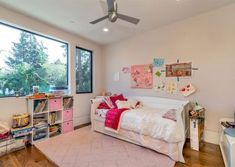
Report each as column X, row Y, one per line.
column 105, row 29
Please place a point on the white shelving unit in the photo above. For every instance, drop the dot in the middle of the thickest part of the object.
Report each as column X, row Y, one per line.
column 49, row 117
column 227, row 145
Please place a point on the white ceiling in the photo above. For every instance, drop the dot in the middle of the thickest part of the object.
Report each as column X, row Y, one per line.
column 74, row 15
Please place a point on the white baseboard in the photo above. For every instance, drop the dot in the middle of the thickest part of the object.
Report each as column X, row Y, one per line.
column 211, row 137
column 79, row 120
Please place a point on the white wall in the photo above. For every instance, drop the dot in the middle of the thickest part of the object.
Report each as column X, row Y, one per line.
column 8, row 106
column 208, row 40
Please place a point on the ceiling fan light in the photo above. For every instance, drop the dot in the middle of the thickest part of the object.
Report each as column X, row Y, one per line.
column 105, row 29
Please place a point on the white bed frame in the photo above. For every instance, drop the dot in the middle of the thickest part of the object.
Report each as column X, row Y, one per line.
column 182, row 121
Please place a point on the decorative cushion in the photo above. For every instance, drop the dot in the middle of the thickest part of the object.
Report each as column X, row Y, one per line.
column 117, row 97
column 171, row 114
column 108, row 101
column 131, row 104
column 123, row 104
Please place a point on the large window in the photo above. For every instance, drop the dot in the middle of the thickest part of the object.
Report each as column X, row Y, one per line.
column 28, row 59
column 83, row 70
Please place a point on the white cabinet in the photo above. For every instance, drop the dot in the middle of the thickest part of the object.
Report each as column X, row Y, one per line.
column 227, row 145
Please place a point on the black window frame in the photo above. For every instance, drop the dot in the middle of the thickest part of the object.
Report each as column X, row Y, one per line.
column 44, row 36
column 91, row 66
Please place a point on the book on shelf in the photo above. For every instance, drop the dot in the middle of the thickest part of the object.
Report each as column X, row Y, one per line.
column 53, row 117
column 40, row 106
column 68, row 102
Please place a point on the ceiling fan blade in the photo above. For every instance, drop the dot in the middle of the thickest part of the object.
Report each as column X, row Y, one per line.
column 128, row 18
column 110, row 5
column 100, row 19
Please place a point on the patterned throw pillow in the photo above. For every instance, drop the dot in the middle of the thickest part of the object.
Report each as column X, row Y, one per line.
column 108, row 101
column 117, row 97
column 170, row 114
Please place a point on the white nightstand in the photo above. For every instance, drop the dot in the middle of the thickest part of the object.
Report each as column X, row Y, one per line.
column 227, row 145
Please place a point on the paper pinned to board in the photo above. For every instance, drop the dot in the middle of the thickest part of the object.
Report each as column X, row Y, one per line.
column 158, row 73
column 158, row 62
column 160, row 87
column 171, row 87
column 188, row 90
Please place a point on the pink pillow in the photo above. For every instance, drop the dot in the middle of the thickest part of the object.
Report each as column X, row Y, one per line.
column 117, row 97
column 171, row 114
column 108, row 101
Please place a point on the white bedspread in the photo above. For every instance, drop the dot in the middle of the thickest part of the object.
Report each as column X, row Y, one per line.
column 149, row 121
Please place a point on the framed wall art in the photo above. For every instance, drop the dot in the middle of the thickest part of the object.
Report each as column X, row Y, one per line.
column 179, row 70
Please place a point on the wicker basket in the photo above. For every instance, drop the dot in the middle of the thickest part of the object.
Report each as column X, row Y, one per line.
column 20, row 120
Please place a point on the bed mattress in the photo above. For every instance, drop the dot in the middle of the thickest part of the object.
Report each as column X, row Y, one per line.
column 148, row 122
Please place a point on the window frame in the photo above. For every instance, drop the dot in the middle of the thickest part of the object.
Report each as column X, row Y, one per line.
column 17, row 27
column 91, row 66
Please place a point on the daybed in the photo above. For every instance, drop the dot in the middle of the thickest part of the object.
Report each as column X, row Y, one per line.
column 146, row 127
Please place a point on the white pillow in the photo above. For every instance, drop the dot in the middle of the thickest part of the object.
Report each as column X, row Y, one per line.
column 131, row 103
column 123, row 104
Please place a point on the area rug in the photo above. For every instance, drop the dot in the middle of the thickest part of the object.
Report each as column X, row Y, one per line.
column 86, row 148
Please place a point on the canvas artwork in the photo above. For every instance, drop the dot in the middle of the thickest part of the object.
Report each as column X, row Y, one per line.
column 179, row 70
column 142, row 76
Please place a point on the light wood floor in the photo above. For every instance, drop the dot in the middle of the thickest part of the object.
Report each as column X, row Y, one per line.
column 28, row 157
column 209, row 156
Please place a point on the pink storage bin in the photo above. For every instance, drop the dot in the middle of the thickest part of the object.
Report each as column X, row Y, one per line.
column 55, row 104
column 67, row 126
column 68, row 115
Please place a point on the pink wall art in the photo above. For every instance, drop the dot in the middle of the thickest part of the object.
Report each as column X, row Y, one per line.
column 142, row 76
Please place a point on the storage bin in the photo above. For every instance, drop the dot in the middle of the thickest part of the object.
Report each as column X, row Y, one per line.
column 68, row 115
column 20, row 120
column 55, row 104
column 67, row 126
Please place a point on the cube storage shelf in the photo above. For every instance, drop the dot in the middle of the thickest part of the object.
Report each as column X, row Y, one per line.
column 50, row 117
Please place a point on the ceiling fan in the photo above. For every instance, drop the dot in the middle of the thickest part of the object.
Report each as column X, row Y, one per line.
column 113, row 15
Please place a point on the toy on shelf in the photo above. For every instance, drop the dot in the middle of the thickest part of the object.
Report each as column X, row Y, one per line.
column 197, row 112
column 20, row 120
column 37, row 96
